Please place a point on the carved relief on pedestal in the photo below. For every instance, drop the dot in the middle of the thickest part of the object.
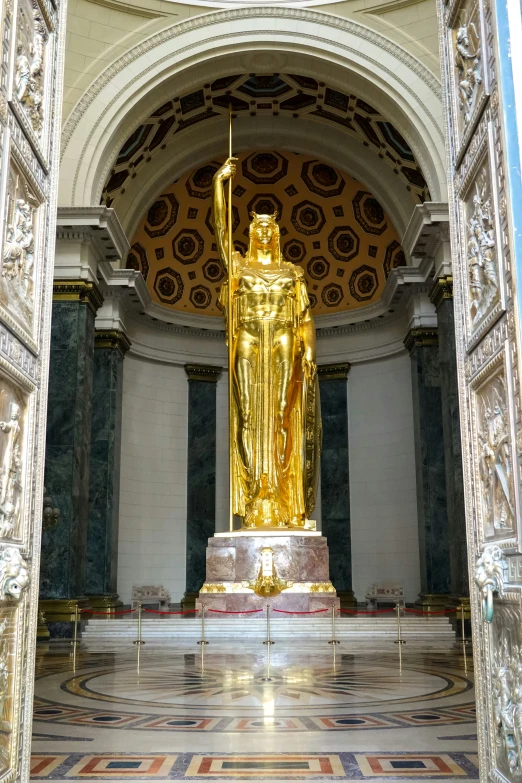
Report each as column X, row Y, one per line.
column 12, row 456
column 17, row 274
column 481, row 250
column 495, row 465
column 29, row 79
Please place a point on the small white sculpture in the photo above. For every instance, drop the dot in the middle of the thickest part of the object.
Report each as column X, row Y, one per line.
column 469, row 67
column 14, row 574
column 29, row 74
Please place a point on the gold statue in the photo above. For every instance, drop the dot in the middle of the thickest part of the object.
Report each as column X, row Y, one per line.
column 275, row 424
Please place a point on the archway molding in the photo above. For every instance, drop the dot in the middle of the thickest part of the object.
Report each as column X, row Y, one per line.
column 189, row 53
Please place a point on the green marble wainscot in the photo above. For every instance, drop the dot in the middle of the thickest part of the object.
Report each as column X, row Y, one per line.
column 63, row 558
column 430, row 466
column 335, row 478
column 201, row 474
column 104, row 477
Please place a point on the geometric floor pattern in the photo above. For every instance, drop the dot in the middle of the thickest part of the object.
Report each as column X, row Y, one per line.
column 170, row 713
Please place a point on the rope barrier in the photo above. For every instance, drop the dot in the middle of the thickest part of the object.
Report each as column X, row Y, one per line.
column 91, row 611
column 315, row 611
column 419, row 611
column 157, row 611
column 375, row 611
column 223, row 611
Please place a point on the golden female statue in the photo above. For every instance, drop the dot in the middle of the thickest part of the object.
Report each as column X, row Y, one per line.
column 276, row 424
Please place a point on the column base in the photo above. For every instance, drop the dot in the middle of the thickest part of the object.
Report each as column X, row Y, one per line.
column 432, row 602
column 104, row 603
column 189, row 600
column 347, row 599
column 60, row 614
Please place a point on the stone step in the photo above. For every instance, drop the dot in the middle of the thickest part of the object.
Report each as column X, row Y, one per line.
column 345, row 628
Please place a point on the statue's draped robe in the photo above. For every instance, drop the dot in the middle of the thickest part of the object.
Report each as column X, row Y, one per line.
column 289, row 478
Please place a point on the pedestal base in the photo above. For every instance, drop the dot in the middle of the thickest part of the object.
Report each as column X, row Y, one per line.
column 233, row 561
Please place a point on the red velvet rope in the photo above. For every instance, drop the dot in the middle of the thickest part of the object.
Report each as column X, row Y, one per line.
column 156, row 611
column 419, row 611
column 374, row 611
column 223, row 611
column 315, row 611
column 91, row 611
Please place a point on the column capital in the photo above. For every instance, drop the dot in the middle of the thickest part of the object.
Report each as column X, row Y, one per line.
column 333, row 372
column 112, row 338
column 443, row 289
column 203, row 372
column 421, row 337
column 78, row 291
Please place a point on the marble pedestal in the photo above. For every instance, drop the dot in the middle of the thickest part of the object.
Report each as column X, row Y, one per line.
column 235, row 558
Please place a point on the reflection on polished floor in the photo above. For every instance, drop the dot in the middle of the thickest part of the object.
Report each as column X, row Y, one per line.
column 228, row 712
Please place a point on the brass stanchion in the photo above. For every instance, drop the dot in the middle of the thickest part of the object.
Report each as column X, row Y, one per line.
column 139, row 640
column 398, row 640
column 75, row 631
column 203, row 641
column 268, row 640
column 463, row 632
column 333, row 640
column 268, row 677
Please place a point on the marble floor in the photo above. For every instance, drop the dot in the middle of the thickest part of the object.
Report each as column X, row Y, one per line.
column 251, row 713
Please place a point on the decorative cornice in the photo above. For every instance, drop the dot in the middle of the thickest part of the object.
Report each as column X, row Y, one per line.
column 334, row 372
column 78, row 291
column 203, row 372
column 443, row 289
column 428, row 225
column 113, row 339
column 420, row 337
column 99, row 224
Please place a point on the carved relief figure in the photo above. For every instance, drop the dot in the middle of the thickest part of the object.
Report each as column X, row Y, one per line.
column 18, row 261
column 14, row 574
column 481, row 253
column 497, row 495
column 30, row 65
column 507, row 703
column 468, row 63
column 11, row 444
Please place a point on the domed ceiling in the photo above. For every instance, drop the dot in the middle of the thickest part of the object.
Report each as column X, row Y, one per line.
column 261, row 95
column 331, row 226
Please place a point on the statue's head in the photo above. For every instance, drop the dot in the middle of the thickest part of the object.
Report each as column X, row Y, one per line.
column 264, row 234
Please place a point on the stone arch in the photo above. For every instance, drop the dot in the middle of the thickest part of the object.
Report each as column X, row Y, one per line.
column 261, row 38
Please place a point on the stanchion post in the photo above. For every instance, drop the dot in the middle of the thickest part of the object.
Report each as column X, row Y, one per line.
column 268, row 640
column 75, row 630
column 202, row 641
column 139, row 640
column 463, row 632
column 333, row 640
column 399, row 640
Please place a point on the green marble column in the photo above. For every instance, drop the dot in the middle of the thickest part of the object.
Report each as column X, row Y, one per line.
column 104, row 475
column 442, row 297
column 63, row 558
column 430, row 467
column 201, row 474
column 335, row 478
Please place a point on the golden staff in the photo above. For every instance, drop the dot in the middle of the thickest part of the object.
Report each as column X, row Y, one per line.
column 230, row 335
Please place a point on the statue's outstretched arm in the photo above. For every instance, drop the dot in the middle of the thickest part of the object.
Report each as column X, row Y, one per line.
column 219, row 208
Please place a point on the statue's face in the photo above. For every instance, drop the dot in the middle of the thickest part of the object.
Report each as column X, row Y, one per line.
column 264, row 233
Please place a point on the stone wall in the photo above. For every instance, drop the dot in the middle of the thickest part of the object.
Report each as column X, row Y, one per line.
column 153, row 499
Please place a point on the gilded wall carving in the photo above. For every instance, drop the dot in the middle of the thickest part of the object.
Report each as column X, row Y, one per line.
column 496, row 466
column 29, row 78
column 17, row 275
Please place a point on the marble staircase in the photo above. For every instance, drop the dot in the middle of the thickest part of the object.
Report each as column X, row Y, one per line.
column 434, row 631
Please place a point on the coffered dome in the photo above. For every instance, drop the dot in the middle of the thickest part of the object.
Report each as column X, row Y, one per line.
column 331, row 226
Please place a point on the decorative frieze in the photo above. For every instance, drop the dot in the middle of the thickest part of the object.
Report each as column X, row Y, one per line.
column 112, row 338
column 421, row 336
column 202, row 372
column 331, row 372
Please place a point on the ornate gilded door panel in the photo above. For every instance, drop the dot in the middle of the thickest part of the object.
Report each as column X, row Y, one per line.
column 484, row 244
column 31, row 67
